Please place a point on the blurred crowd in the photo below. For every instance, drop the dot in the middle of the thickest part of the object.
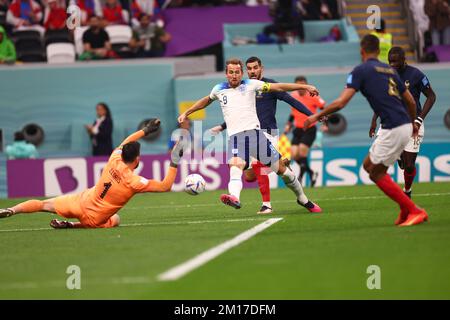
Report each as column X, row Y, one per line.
column 145, row 18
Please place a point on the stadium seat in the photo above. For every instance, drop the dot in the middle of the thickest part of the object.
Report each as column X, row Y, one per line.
column 28, row 45
column 57, row 36
column 26, row 34
column 27, row 39
column 119, row 34
column 31, row 55
column 120, row 37
column 60, row 53
column 78, row 39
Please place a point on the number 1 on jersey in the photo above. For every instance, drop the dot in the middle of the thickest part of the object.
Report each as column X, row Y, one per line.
column 105, row 190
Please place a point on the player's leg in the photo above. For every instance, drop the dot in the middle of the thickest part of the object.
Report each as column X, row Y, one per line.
column 232, row 199
column 30, row 206
column 306, row 141
column 238, row 155
column 291, row 181
column 261, row 174
column 302, row 160
column 250, row 173
column 112, row 222
column 271, row 157
column 385, row 150
column 409, row 157
column 409, row 172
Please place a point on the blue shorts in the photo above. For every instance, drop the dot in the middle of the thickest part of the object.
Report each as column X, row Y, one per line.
column 252, row 144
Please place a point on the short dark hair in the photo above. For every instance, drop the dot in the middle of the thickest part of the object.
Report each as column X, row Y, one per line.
column 19, row 136
column 130, row 151
column 234, row 61
column 370, row 43
column 253, row 59
column 300, row 78
column 397, row 50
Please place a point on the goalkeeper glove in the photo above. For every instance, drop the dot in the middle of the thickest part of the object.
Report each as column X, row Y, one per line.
column 151, row 126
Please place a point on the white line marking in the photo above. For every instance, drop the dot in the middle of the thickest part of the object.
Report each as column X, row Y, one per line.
column 150, row 224
column 89, row 282
column 181, row 206
column 174, row 206
column 199, row 260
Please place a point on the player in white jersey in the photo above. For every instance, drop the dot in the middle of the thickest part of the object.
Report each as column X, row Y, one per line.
column 237, row 99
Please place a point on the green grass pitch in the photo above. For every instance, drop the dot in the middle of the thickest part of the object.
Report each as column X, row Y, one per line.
column 304, row 256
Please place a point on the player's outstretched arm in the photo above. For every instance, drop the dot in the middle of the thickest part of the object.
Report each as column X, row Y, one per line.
column 279, row 87
column 333, row 107
column 150, row 127
column 294, row 103
column 166, row 184
column 199, row 105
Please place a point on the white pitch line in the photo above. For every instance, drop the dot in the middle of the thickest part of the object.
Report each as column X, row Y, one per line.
column 180, row 206
column 150, row 224
column 199, row 260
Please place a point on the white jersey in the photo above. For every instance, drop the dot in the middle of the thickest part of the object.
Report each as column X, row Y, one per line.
column 239, row 104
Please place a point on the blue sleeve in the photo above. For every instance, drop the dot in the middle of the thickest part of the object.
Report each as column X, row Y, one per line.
column 293, row 102
column 424, row 83
column 355, row 79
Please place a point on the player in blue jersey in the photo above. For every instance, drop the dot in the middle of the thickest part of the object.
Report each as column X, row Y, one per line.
column 417, row 83
column 266, row 108
column 247, row 141
column 387, row 96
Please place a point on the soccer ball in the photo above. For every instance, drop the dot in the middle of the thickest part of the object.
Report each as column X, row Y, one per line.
column 194, row 184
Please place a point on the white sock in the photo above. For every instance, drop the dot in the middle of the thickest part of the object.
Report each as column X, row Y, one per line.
column 235, row 184
column 291, row 181
column 267, row 204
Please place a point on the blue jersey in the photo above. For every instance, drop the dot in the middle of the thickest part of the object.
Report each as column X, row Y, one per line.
column 416, row 82
column 383, row 89
column 266, row 106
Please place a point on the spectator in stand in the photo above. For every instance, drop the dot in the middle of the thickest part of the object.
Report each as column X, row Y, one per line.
column 88, row 9
column 101, row 131
column 148, row 7
column 113, row 12
column 25, row 15
column 385, row 41
column 21, row 149
column 149, row 40
column 55, row 15
column 96, row 42
column 287, row 21
column 309, row 9
column 439, row 13
column 4, row 4
column 7, row 49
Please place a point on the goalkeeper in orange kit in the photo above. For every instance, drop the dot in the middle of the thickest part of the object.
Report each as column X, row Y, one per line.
column 97, row 207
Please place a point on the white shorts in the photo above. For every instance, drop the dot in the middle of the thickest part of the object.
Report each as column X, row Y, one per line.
column 273, row 140
column 389, row 144
column 414, row 144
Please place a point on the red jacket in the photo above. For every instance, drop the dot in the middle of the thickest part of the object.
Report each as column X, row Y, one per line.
column 55, row 18
column 113, row 15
